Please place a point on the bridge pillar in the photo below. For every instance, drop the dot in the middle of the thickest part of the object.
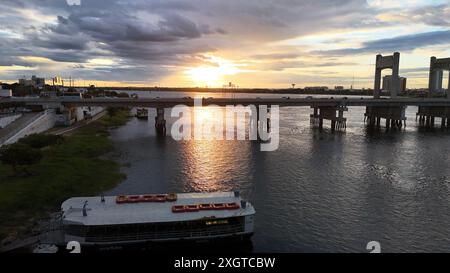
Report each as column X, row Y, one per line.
column 395, row 116
column 377, row 87
column 427, row 115
column 387, row 62
column 448, row 89
column 68, row 116
column 437, row 68
column 334, row 114
column 260, row 123
column 432, row 80
column 160, row 122
column 315, row 119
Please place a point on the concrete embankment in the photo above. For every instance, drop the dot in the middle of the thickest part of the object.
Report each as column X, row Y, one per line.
column 21, row 125
column 7, row 119
column 29, row 123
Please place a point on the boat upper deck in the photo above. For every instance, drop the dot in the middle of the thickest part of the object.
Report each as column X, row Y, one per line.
column 111, row 213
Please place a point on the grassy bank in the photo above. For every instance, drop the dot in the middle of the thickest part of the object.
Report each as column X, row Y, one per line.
column 74, row 167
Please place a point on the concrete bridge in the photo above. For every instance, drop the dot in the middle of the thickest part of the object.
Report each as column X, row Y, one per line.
column 282, row 102
column 392, row 110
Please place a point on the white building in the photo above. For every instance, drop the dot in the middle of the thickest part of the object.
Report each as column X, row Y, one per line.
column 387, row 83
column 34, row 81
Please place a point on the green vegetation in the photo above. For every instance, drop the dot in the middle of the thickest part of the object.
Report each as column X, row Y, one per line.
column 39, row 141
column 19, row 155
column 70, row 166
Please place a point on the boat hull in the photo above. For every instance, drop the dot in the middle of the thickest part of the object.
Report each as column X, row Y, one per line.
column 224, row 243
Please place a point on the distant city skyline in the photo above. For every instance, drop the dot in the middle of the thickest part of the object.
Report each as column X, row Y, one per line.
column 252, row 44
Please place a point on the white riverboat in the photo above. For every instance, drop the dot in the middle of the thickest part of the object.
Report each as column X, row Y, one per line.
column 135, row 219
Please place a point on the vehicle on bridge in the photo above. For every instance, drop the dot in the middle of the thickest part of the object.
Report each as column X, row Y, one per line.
column 72, row 95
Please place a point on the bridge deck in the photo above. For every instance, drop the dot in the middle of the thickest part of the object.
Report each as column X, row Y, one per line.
column 282, row 102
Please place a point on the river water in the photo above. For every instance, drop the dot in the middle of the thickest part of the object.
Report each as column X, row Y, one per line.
column 319, row 192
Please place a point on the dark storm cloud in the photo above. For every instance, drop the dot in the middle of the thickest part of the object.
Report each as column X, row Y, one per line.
column 145, row 36
column 115, row 20
column 118, row 26
column 64, row 42
column 400, row 43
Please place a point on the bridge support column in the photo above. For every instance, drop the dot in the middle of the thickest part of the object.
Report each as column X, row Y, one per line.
column 160, row 122
column 448, row 89
column 384, row 62
column 394, row 116
column 334, row 114
column 428, row 114
column 68, row 114
column 314, row 118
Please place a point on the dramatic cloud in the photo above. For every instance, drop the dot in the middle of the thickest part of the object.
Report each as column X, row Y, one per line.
column 406, row 42
column 157, row 41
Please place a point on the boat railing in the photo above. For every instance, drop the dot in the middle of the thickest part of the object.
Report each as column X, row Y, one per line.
column 207, row 232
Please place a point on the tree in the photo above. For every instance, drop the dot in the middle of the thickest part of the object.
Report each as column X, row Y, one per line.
column 112, row 111
column 39, row 141
column 19, row 154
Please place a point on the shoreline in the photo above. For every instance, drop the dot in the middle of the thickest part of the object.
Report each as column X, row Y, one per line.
column 330, row 92
column 79, row 166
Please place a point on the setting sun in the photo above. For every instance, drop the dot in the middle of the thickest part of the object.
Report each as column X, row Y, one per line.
column 212, row 75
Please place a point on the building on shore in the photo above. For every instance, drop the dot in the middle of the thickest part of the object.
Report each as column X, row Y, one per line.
column 57, row 81
column 387, row 83
column 316, row 88
column 36, row 82
column 439, row 79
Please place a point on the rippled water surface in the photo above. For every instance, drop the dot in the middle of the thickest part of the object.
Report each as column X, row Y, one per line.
column 319, row 191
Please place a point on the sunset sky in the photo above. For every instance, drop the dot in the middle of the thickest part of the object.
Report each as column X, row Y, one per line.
column 252, row 43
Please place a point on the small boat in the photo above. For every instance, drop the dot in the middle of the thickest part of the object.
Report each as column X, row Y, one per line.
column 113, row 221
column 142, row 113
column 45, row 249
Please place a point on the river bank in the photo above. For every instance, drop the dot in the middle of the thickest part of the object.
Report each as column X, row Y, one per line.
column 76, row 167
